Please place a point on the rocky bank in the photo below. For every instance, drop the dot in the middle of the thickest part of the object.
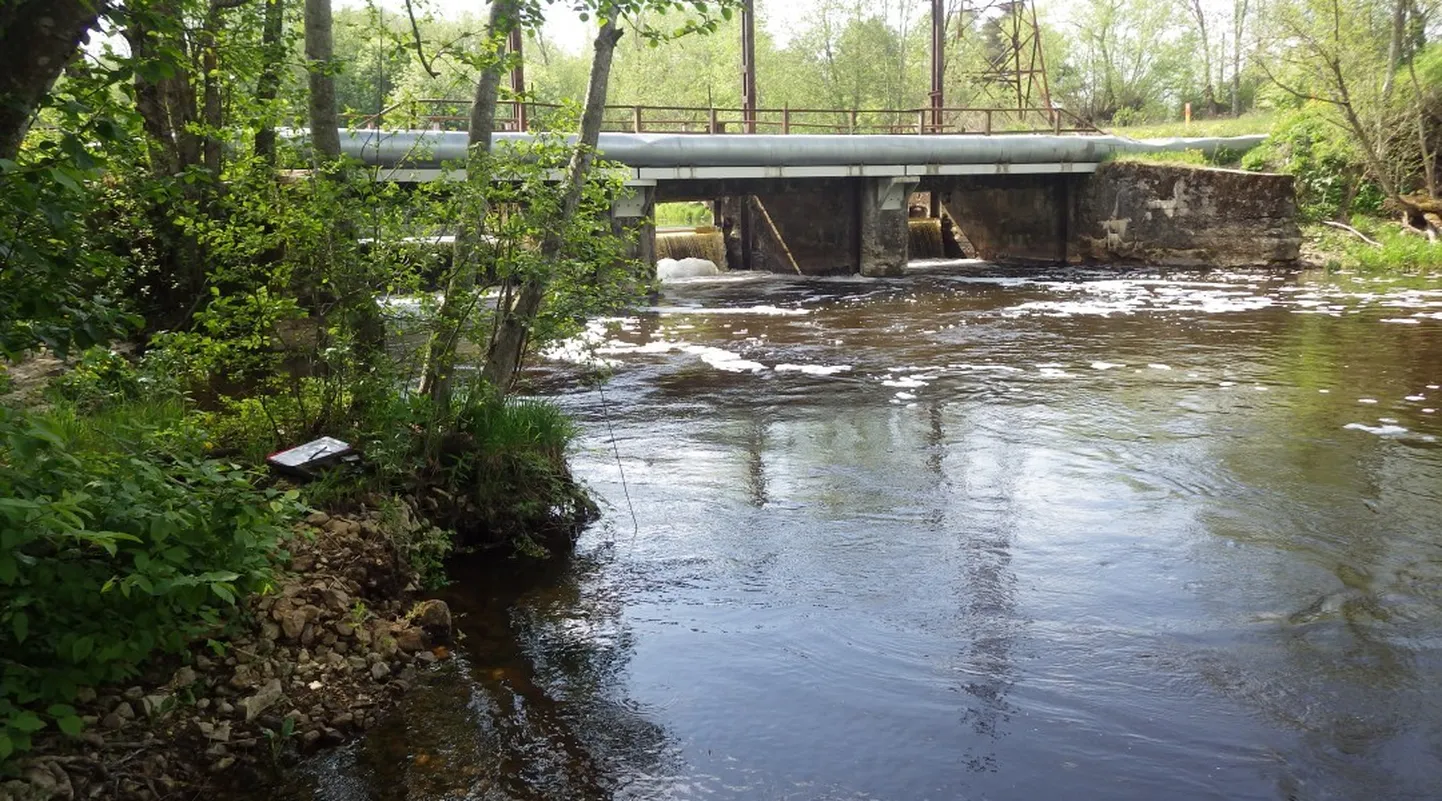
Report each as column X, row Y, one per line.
column 319, row 661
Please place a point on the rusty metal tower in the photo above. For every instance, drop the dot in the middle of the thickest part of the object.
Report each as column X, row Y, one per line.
column 1008, row 37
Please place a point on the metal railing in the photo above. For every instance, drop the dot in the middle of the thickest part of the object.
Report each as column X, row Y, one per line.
column 454, row 115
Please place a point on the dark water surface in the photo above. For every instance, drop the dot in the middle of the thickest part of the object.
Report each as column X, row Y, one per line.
column 1044, row 537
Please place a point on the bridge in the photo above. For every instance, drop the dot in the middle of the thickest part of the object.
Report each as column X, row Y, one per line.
column 828, row 203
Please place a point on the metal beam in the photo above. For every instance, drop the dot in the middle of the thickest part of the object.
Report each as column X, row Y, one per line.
column 748, row 65
column 938, row 63
column 518, row 81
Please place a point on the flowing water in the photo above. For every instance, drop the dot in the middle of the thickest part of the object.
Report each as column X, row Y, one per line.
column 966, row 537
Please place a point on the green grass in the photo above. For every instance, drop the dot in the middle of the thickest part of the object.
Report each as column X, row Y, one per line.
column 682, row 215
column 1191, row 158
column 1402, row 255
column 1251, row 123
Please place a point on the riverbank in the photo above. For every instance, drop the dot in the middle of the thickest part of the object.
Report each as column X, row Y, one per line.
column 316, row 662
column 1373, row 247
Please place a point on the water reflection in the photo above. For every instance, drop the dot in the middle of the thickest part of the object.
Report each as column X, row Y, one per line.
column 1013, row 537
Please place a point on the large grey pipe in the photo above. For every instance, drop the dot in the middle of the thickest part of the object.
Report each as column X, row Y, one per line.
column 434, row 148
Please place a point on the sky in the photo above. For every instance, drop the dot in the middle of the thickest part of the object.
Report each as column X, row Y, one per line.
column 566, row 30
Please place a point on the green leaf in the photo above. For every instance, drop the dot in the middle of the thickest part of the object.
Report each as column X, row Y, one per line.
column 27, row 722
column 6, row 747
column 71, row 725
column 82, row 648
column 8, row 570
column 21, row 623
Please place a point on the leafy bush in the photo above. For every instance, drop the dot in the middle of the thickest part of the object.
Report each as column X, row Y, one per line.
column 117, row 542
column 1324, row 161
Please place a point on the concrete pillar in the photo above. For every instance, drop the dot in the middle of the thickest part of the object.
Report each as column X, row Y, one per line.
column 634, row 215
column 883, row 247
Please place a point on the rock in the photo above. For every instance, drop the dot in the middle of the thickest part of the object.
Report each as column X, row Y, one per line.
column 409, row 640
column 85, row 695
column 222, row 764
column 344, row 629
column 293, row 623
column 427, row 657
column 356, row 663
column 435, row 617
column 156, row 705
column 269, row 631
column 343, row 720
column 310, row 738
column 380, row 671
column 225, row 708
column 183, row 678
column 317, row 519
column 270, row 693
column 134, row 694
column 124, row 710
column 112, row 721
column 206, row 728
column 303, row 656
column 204, row 662
column 203, row 704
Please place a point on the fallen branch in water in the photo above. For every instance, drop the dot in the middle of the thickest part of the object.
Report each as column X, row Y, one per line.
column 1354, row 232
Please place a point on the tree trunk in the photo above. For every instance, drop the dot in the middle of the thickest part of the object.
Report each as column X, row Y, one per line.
column 37, row 39
column 272, row 46
column 1239, row 24
column 319, row 50
column 509, row 346
column 455, row 307
column 1394, row 47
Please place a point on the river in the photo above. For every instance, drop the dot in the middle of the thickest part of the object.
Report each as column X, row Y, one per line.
column 969, row 536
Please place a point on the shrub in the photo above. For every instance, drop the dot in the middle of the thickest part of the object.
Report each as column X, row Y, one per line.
column 1324, row 162
column 117, row 542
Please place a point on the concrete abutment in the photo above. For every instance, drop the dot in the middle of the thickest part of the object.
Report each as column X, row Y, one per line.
column 1124, row 213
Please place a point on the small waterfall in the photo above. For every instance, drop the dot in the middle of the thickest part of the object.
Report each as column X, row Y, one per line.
column 925, row 239
column 701, row 243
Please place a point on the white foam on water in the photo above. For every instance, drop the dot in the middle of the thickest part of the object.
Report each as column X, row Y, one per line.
column 1403, row 320
column 986, row 368
column 1227, row 384
column 814, row 369
column 1160, row 366
column 1325, row 391
column 1381, row 431
column 1416, row 398
column 671, row 270
column 904, row 383
column 906, row 396
column 1387, row 420
column 1260, row 388
column 1054, row 372
column 1434, row 386
column 763, row 310
column 1106, row 366
column 1369, row 401
column 1429, row 411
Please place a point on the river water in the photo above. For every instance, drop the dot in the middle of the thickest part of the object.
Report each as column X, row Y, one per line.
column 969, row 536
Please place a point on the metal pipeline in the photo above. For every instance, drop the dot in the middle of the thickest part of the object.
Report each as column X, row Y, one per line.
column 423, row 149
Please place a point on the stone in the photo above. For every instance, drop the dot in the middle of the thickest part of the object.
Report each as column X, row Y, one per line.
column 225, row 708
column 344, row 629
column 134, row 694
column 380, row 671
column 427, row 657
column 222, row 764
column 112, row 721
column 356, row 663
column 204, row 662
column 310, row 738
column 409, row 640
column 184, row 677
column 156, row 705
column 293, row 623
column 85, row 695
column 124, row 710
column 264, row 699
column 435, row 618
column 203, row 704
column 317, row 519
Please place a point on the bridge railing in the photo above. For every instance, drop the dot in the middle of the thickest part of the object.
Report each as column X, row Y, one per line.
column 454, row 115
